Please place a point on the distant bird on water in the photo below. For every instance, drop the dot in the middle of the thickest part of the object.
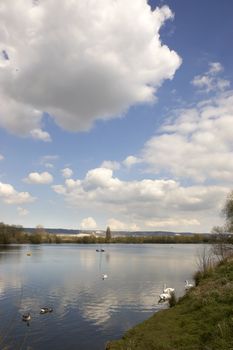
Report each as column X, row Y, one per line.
column 26, row 317
column 45, row 310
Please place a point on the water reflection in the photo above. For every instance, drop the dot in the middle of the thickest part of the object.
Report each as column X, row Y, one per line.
column 68, row 279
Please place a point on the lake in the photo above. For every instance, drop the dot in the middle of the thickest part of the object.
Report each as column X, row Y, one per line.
column 87, row 310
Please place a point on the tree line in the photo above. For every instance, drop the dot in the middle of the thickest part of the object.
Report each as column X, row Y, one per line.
column 10, row 234
column 16, row 234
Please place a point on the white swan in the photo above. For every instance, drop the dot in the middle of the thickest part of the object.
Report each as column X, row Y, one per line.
column 168, row 290
column 188, row 285
column 104, row 276
column 164, row 297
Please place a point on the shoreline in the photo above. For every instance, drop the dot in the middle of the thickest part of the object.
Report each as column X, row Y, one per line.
column 201, row 319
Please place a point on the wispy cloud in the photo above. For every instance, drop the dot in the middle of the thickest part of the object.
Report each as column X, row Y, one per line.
column 39, row 134
column 67, row 173
column 197, row 144
column 22, row 211
column 130, row 161
column 210, row 81
column 48, row 160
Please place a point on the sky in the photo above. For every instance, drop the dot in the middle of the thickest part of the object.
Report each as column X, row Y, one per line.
column 116, row 113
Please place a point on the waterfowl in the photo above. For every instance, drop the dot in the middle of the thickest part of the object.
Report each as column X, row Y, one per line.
column 104, row 276
column 164, row 297
column 168, row 290
column 26, row 317
column 102, row 250
column 188, row 285
column 29, row 254
column 45, row 310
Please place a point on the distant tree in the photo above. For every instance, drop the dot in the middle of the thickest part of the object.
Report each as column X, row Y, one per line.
column 37, row 236
column 108, row 234
column 58, row 239
column 40, row 230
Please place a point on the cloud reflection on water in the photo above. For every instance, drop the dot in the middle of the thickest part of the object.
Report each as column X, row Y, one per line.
column 68, row 278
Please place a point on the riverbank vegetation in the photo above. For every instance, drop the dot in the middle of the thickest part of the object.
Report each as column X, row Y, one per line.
column 11, row 234
column 16, row 234
column 201, row 320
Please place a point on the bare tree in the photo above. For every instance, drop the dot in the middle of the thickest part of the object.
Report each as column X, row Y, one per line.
column 223, row 243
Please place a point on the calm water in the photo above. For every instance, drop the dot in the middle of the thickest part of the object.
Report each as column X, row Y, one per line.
column 88, row 311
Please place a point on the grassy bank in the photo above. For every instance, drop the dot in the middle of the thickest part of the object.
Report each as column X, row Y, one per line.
column 202, row 319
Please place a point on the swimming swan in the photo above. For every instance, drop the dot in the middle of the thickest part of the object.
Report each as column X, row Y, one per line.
column 188, row 285
column 104, row 276
column 168, row 290
column 164, row 297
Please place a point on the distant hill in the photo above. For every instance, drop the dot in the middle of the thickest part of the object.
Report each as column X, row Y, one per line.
column 114, row 233
column 54, row 230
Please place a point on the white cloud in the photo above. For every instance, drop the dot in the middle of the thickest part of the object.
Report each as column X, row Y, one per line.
column 197, row 144
column 73, row 66
column 39, row 134
column 88, row 224
column 39, row 178
column 130, row 161
column 67, row 172
column 10, row 196
column 48, row 160
column 108, row 164
column 215, row 67
column 22, row 211
column 210, row 81
column 142, row 202
column 1, row 157
column 172, row 223
column 121, row 226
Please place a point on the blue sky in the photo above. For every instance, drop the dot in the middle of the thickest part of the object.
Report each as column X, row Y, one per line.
column 116, row 114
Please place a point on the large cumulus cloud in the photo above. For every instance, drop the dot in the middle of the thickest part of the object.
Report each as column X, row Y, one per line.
column 144, row 204
column 79, row 61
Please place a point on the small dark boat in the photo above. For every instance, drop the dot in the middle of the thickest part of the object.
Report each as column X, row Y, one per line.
column 26, row 317
column 45, row 310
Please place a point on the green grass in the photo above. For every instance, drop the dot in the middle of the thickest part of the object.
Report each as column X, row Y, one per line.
column 201, row 320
